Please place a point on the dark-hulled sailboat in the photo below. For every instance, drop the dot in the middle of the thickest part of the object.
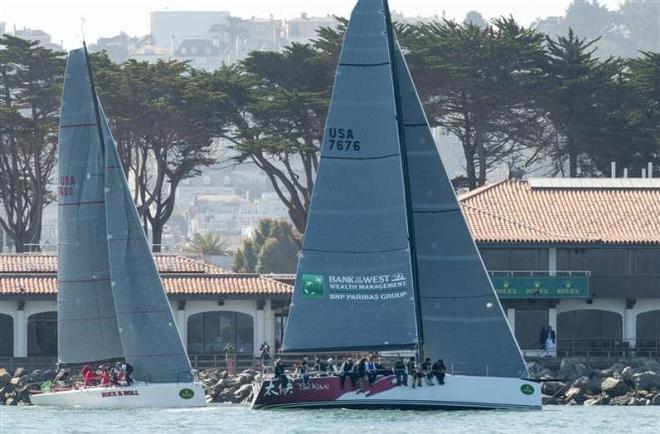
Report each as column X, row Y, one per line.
column 111, row 303
column 388, row 262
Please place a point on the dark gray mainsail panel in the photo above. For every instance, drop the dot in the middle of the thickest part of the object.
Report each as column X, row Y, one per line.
column 87, row 324
column 148, row 333
column 354, row 286
column 462, row 319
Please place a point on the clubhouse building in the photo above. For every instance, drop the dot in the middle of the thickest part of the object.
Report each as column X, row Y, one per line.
column 581, row 255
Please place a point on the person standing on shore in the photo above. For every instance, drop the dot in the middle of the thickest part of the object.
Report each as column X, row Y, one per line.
column 550, row 342
column 230, row 359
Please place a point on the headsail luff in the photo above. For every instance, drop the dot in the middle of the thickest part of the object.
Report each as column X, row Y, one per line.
column 87, row 324
column 354, row 282
column 148, row 332
column 462, row 319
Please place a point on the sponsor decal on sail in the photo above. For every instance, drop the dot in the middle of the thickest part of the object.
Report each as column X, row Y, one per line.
column 313, row 285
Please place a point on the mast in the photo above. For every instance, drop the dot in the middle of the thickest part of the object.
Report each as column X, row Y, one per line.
column 406, row 184
column 95, row 100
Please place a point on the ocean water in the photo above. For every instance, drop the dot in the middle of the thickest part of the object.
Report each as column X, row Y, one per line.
column 240, row 419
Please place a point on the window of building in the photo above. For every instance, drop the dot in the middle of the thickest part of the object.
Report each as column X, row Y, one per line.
column 6, row 335
column 589, row 331
column 528, row 327
column 648, row 328
column 647, row 262
column 209, row 332
column 42, row 334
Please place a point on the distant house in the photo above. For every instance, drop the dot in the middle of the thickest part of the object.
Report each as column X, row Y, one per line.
column 202, row 53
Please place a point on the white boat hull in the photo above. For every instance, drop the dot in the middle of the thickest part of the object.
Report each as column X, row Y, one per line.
column 137, row 395
column 458, row 392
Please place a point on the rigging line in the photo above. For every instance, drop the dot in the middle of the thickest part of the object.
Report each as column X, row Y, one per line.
column 406, row 177
column 397, row 249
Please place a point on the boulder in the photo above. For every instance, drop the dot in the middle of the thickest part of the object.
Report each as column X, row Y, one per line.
column 49, row 374
column 10, row 401
column 648, row 380
column 226, row 395
column 251, row 372
column 574, row 394
column 627, row 374
column 581, row 370
column 223, row 383
column 586, row 386
column 597, row 400
column 245, row 378
column 620, row 400
column 553, row 388
column 5, row 377
column 655, row 400
column 616, row 368
column 637, row 401
column 242, row 393
column 19, row 372
column 614, row 387
column 37, row 376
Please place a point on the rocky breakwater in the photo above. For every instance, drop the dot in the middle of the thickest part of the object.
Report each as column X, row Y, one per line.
column 220, row 387
column 575, row 383
column 15, row 387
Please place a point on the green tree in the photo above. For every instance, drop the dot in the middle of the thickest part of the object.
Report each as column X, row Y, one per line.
column 576, row 99
column 209, row 243
column 278, row 119
column 30, row 86
column 163, row 135
column 480, row 83
column 273, row 248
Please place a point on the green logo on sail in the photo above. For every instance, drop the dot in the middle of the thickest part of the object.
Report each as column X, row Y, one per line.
column 313, row 285
column 186, row 393
column 527, row 389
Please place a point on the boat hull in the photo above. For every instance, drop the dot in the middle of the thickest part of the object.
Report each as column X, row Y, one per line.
column 458, row 392
column 137, row 395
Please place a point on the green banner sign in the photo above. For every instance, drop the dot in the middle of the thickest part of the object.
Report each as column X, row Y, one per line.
column 541, row 286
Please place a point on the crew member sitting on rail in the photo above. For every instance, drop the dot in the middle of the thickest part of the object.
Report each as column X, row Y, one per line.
column 105, row 376
column 280, row 374
column 88, row 375
column 427, row 372
column 347, row 370
column 372, row 371
column 438, row 369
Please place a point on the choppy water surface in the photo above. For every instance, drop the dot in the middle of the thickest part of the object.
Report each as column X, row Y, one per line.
column 240, row 419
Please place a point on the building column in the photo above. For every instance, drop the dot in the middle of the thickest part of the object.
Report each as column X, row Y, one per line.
column 630, row 324
column 552, row 261
column 269, row 325
column 511, row 318
column 20, row 331
column 181, row 323
column 552, row 318
column 259, row 325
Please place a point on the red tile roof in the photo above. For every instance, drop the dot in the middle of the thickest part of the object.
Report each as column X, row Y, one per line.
column 47, row 263
column 32, row 274
column 518, row 212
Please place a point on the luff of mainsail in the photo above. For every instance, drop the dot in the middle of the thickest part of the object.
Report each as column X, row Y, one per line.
column 462, row 319
column 87, row 324
column 354, row 285
column 148, row 333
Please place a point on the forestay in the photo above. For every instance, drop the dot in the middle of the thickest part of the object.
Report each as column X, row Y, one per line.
column 462, row 319
column 354, row 286
column 87, row 325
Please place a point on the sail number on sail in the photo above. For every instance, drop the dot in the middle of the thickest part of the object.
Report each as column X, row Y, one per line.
column 342, row 139
column 66, row 185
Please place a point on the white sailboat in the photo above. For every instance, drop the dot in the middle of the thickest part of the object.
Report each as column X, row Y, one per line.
column 388, row 263
column 111, row 303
